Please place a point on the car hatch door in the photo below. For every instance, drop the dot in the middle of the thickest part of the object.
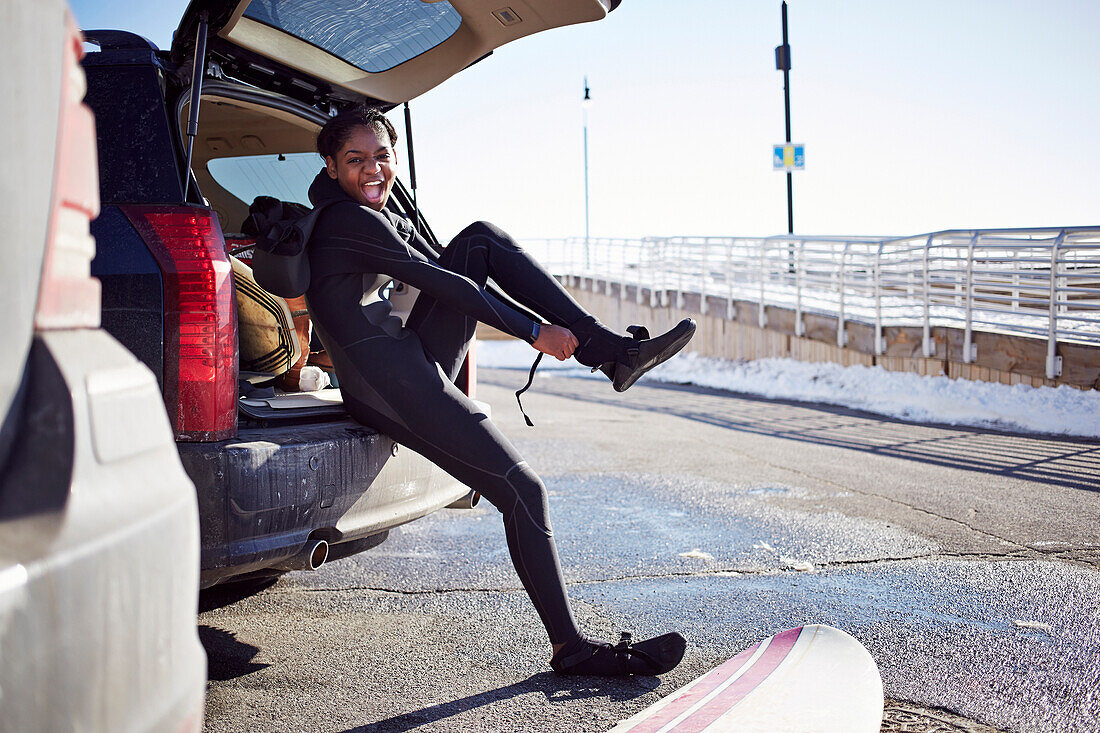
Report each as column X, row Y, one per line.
column 386, row 50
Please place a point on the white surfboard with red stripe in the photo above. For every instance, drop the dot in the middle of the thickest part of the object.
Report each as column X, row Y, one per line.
column 812, row 679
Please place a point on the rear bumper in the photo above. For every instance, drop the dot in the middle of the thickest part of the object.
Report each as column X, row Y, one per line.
column 265, row 493
column 98, row 563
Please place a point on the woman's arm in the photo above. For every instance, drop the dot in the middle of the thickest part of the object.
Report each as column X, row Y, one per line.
column 424, row 247
column 556, row 341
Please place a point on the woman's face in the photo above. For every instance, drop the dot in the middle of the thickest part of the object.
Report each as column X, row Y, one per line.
column 365, row 167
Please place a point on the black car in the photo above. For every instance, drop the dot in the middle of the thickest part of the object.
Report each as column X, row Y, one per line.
column 280, row 478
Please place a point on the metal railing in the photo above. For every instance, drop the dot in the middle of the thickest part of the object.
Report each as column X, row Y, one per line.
column 1036, row 282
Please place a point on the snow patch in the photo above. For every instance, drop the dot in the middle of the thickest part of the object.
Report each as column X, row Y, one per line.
column 801, row 566
column 1061, row 410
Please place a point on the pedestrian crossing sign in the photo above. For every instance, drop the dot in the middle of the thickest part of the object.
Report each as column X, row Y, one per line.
column 789, row 157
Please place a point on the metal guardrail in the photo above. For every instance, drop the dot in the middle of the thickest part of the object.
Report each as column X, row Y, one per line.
column 1035, row 282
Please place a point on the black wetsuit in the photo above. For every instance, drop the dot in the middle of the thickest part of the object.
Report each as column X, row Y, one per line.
column 400, row 379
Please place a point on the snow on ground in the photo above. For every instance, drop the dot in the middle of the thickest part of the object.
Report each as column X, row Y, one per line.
column 1059, row 410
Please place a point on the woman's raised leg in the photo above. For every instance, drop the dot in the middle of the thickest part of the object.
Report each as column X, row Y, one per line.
column 482, row 251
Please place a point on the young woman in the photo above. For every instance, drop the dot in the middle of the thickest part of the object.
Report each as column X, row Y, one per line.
column 400, row 379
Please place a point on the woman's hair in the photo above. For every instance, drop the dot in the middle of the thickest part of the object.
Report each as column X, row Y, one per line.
column 338, row 129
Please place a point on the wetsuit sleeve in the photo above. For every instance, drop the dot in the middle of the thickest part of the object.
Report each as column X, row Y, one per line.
column 366, row 241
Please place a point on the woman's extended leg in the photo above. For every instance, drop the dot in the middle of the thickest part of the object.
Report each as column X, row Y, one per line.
column 482, row 251
column 410, row 400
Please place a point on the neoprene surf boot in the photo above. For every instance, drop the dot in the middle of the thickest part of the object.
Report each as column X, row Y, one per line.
column 650, row 657
column 624, row 359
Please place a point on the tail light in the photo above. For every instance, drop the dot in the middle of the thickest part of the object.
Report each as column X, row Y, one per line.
column 200, row 318
column 69, row 295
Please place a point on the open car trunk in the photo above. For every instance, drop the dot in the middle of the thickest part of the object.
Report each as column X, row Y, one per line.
column 299, row 61
column 332, row 50
column 252, row 143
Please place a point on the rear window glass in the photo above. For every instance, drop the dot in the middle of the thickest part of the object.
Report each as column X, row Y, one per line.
column 286, row 177
column 374, row 35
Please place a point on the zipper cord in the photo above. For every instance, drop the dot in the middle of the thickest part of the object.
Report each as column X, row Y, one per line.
column 530, row 381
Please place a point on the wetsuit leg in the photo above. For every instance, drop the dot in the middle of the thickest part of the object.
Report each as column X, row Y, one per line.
column 434, row 418
column 403, row 386
column 482, row 251
column 408, row 398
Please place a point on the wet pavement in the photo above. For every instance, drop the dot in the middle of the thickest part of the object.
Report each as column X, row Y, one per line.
column 964, row 560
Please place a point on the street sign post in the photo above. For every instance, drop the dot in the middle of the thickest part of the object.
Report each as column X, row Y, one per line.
column 783, row 63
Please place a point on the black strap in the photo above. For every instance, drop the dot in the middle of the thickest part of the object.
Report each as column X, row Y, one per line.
column 576, row 658
column 530, row 381
column 626, row 644
column 589, row 649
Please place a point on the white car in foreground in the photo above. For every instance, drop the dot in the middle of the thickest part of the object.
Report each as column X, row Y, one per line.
column 99, row 537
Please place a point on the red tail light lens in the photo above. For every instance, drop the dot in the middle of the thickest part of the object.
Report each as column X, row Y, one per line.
column 69, row 295
column 200, row 318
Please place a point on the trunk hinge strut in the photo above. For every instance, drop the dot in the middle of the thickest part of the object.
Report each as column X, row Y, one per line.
column 412, row 166
column 196, row 93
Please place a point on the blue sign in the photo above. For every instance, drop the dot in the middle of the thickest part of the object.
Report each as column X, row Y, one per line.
column 789, row 157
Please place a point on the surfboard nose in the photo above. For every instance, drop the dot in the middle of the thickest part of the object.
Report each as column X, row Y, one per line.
column 810, row 678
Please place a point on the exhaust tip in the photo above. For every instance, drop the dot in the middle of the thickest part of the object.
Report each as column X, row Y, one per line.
column 318, row 554
column 469, row 501
column 311, row 557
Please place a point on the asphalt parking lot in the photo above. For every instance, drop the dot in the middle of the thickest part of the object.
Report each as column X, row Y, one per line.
column 964, row 560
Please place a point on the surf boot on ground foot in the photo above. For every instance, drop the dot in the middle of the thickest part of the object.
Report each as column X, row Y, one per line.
column 650, row 657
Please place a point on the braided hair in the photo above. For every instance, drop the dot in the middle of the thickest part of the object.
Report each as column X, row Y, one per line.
column 339, row 128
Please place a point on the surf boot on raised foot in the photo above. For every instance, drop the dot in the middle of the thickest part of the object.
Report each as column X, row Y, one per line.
column 650, row 657
column 624, row 359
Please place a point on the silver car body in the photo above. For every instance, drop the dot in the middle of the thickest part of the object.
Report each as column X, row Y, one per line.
column 98, row 521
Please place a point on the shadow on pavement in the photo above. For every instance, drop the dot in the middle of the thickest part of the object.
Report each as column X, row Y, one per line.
column 554, row 687
column 226, row 594
column 1061, row 461
column 226, row 657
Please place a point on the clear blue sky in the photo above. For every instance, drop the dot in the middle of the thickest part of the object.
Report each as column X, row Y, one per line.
column 916, row 116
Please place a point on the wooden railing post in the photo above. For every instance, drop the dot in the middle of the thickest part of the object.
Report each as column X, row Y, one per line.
column 969, row 350
column 730, row 313
column 880, row 344
column 799, row 276
column 1054, row 362
column 841, row 334
column 761, row 315
column 928, row 345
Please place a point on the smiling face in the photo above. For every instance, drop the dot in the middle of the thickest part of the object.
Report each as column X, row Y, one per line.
column 365, row 166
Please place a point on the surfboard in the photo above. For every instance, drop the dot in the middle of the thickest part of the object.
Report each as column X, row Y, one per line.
column 265, row 327
column 810, row 679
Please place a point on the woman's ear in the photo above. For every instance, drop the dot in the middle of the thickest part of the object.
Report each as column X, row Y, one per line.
column 330, row 166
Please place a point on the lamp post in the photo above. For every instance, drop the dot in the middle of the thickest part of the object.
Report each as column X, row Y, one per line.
column 783, row 63
column 586, row 102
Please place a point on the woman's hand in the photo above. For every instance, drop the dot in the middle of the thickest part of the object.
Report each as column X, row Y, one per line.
column 556, row 341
